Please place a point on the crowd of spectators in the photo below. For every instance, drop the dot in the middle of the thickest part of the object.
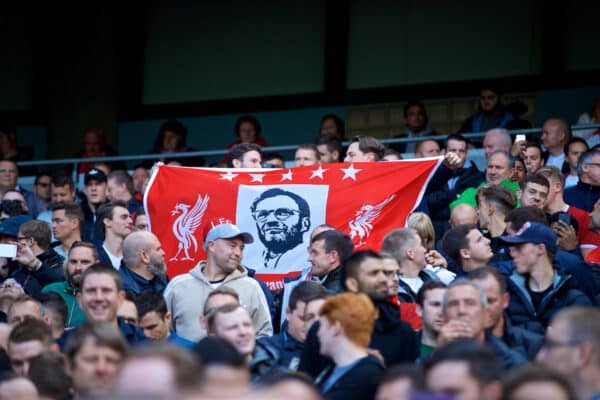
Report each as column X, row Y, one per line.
column 490, row 291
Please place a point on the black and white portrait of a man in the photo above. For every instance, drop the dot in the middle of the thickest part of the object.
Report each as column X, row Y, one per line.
column 281, row 218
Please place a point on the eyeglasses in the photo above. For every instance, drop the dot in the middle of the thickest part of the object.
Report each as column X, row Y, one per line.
column 281, row 214
column 550, row 344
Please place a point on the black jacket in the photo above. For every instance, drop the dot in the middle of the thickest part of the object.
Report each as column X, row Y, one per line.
column 91, row 229
column 439, row 195
column 33, row 281
column 406, row 294
column 526, row 342
column 289, row 350
column 136, row 284
column 394, row 338
column 360, row 382
column 522, row 312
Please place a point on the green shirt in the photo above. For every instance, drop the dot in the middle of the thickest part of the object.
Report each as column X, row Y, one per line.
column 468, row 195
column 75, row 316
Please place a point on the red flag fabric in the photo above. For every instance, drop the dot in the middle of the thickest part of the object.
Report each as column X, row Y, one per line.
column 280, row 207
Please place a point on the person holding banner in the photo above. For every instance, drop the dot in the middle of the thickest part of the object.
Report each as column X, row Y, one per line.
column 186, row 294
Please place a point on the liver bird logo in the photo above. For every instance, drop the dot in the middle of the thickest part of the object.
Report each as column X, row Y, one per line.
column 186, row 224
column 362, row 225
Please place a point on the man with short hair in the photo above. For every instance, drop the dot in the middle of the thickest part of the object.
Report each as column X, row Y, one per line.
column 120, row 187
column 400, row 383
column 533, row 191
column 327, row 252
column 406, row 247
column 555, row 135
column 533, row 157
column 429, row 309
column 572, row 347
column 40, row 199
column 27, row 340
column 67, row 219
column 427, row 148
column 282, row 218
column 140, row 178
column 329, row 148
column 100, row 297
column 117, row 225
column 54, row 313
column 302, row 311
column 364, row 272
column 537, row 288
column 23, row 307
column 467, row 247
column 417, row 125
column 493, row 284
column 494, row 203
column 464, row 307
column 245, row 155
column 233, row 323
column 185, row 294
column 154, row 319
column 456, row 174
column 306, row 154
column 364, row 149
column 95, row 188
column 9, row 174
column 144, row 265
column 62, row 189
column 496, row 140
column 574, row 149
column 465, row 370
column 497, row 172
column 13, row 386
column 94, row 354
column 587, row 191
column 140, row 221
column 82, row 255
column 37, row 265
column 555, row 203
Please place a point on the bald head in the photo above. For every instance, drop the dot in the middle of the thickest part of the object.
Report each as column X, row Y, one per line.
column 142, row 251
column 496, row 139
column 463, row 214
column 555, row 135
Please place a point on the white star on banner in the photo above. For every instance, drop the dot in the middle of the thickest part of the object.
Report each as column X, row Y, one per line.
column 257, row 177
column 350, row 172
column 287, row 176
column 228, row 176
column 318, row 172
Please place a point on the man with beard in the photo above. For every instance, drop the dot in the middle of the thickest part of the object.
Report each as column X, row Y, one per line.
column 491, row 113
column 364, row 272
column 81, row 256
column 282, row 218
column 144, row 264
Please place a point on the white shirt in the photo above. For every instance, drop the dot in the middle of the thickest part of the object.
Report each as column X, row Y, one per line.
column 556, row 161
column 114, row 260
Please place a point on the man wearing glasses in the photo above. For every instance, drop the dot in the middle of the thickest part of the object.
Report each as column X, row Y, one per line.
column 281, row 218
column 572, row 347
column 587, row 191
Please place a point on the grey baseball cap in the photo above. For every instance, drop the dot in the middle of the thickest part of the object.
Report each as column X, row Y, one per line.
column 227, row 231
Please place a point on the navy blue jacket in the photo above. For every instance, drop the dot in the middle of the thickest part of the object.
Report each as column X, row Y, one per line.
column 405, row 293
column 136, row 284
column 289, row 350
column 582, row 195
column 360, row 382
column 521, row 310
column 33, row 281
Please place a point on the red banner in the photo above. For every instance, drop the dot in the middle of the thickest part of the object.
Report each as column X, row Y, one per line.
column 280, row 207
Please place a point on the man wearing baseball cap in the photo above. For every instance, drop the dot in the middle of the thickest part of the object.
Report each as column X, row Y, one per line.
column 538, row 289
column 95, row 195
column 185, row 295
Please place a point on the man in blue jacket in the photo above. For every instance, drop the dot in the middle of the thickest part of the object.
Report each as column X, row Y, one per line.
column 143, row 267
column 538, row 289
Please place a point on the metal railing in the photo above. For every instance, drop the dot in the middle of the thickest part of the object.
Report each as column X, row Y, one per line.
column 207, row 153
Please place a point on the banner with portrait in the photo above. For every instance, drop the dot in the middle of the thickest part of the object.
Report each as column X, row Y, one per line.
column 280, row 207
